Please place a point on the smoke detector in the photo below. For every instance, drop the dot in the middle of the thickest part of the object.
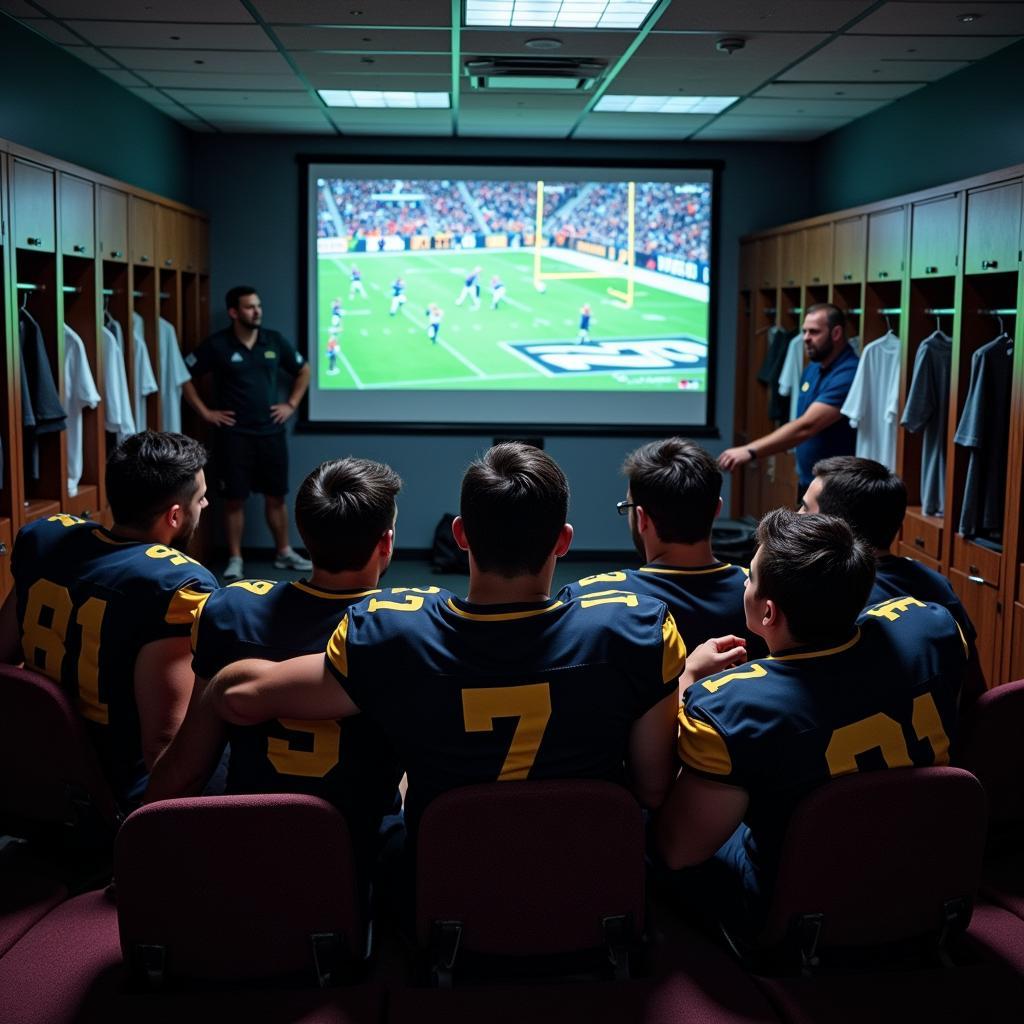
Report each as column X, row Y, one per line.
column 730, row 44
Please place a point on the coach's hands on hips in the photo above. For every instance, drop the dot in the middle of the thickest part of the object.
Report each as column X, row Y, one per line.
column 733, row 458
column 714, row 655
column 220, row 417
column 281, row 412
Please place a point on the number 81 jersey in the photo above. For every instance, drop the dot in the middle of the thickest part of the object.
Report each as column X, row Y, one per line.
column 473, row 693
column 87, row 604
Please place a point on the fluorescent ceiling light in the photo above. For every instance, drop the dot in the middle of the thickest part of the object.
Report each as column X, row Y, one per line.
column 394, row 100
column 664, row 104
column 622, row 14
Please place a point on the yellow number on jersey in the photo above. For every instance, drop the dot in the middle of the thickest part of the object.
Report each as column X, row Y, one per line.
column 64, row 519
column 259, row 587
column 891, row 609
column 755, row 671
column 410, row 603
column 531, row 704
column 51, row 640
column 311, row 764
column 609, row 597
column 176, row 557
column 603, row 577
column 885, row 733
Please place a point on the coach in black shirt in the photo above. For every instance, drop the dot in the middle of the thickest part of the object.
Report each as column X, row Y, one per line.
column 250, row 447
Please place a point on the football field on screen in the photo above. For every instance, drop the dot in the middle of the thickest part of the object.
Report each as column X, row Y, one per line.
column 528, row 343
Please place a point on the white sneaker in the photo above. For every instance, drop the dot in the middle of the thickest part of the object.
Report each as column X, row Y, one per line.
column 292, row 560
column 235, row 570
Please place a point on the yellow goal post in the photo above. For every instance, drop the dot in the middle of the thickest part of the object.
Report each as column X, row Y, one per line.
column 624, row 269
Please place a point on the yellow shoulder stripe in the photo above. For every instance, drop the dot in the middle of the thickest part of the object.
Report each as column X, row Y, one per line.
column 673, row 650
column 337, row 654
column 184, row 605
column 701, row 747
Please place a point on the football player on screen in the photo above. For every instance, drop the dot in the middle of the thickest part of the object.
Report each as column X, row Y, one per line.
column 497, row 291
column 584, row 334
column 356, row 282
column 398, row 298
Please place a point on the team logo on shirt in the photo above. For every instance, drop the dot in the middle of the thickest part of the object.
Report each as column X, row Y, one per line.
column 806, row 386
column 270, row 354
column 236, row 357
column 190, row 359
column 559, row 357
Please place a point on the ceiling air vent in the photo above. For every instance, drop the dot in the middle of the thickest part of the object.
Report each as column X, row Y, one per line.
column 521, row 73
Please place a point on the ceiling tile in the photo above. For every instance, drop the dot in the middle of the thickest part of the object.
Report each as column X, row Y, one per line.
column 19, row 9
column 574, row 43
column 125, row 78
column 830, row 90
column 357, row 12
column 377, row 40
column 821, row 67
column 796, row 122
column 214, row 80
column 134, row 10
column 255, row 98
column 393, row 122
column 168, row 35
column 769, row 134
column 757, row 16
column 379, row 63
column 784, row 47
column 589, row 130
column 805, row 108
column 941, row 19
column 915, row 47
column 274, row 128
column 91, row 57
column 53, row 31
column 262, row 115
column 526, row 102
column 704, row 78
column 244, row 61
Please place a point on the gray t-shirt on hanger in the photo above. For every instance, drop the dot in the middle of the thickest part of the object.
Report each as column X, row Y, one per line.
column 925, row 413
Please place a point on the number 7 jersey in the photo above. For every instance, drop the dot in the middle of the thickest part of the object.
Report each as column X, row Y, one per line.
column 88, row 602
column 477, row 693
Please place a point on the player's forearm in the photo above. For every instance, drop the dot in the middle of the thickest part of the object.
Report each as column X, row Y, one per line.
column 299, row 386
column 785, row 437
column 237, row 692
column 189, row 393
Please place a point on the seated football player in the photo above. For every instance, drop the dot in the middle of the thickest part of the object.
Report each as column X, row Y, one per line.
column 673, row 498
column 873, row 501
column 507, row 683
column 845, row 690
column 107, row 613
column 345, row 513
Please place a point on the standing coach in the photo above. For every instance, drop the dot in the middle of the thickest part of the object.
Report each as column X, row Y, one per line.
column 250, row 444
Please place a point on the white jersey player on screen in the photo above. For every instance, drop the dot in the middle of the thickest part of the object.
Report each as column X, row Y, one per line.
column 356, row 282
column 497, row 291
column 434, row 317
column 470, row 289
column 398, row 298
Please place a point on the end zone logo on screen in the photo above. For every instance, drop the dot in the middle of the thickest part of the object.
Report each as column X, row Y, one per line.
column 560, row 357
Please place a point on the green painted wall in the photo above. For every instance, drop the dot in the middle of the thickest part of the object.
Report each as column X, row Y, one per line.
column 966, row 124
column 55, row 103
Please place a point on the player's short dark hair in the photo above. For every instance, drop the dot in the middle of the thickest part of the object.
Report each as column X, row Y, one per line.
column 149, row 472
column 678, row 484
column 864, row 493
column 513, row 505
column 833, row 314
column 816, row 570
column 342, row 510
column 234, row 295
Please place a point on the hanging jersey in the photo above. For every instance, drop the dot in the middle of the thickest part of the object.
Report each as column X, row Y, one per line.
column 780, row 727
column 479, row 693
column 174, row 375
column 347, row 763
column 87, row 604
column 705, row 601
column 79, row 394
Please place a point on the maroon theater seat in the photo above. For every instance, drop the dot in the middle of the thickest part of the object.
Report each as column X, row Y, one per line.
column 530, row 869
column 50, row 779
column 878, row 858
column 993, row 750
column 25, row 898
column 238, row 887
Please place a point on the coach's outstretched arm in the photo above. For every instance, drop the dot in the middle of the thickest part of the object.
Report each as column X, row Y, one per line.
column 252, row 691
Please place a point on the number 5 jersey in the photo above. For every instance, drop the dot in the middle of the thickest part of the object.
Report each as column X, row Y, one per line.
column 88, row 602
column 475, row 693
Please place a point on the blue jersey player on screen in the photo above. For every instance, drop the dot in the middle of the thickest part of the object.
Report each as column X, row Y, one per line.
column 845, row 690
column 345, row 513
column 107, row 613
column 673, row 498
column 584, row 332
column 592, row 680
column 356, row 283
column 398, row 297
column 470, row 289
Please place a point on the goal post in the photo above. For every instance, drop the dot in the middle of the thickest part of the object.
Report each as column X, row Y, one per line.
column 620, row 270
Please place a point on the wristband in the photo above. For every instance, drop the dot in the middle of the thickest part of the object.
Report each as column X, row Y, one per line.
column 753, row 455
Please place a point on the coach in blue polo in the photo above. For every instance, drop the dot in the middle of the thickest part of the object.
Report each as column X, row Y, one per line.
column 250, row 446
column 820, row 430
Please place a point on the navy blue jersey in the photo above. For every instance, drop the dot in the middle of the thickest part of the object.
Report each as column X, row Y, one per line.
column 335, row 309
column 584, row 321
column 476, row 693
column 88, row 602
column 397, row 288
column 471, row 279
column 351, row 764
column 780, row 727
column 705, row 601
column 356, row 275
column 896, row 576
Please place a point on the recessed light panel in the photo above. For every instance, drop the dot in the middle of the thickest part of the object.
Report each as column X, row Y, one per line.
column 620, row 14
column 664, row 104
column 374, row 98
